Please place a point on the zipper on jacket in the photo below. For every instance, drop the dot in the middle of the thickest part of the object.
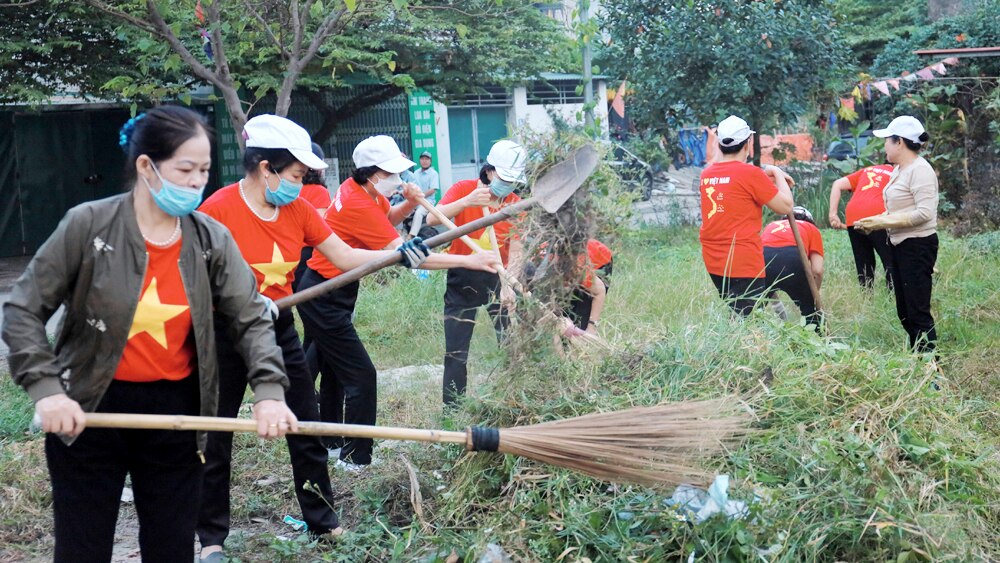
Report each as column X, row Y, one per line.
column 201, row 456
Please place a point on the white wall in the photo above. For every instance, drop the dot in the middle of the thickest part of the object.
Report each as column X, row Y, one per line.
column 536, row 117
column 443, row 140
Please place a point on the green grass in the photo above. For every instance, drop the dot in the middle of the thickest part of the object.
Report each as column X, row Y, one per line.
column 855, row 455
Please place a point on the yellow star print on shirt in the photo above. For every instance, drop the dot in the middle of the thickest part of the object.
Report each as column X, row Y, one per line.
column 151, row 315
column 484, row 241
column 276, row 271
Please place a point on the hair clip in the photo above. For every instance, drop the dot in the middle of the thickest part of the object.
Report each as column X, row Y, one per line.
column 125, row 133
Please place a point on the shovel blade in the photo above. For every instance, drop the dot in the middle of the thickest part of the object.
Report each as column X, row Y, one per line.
column 562, row 180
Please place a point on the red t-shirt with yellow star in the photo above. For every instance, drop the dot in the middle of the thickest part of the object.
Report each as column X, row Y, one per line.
column 360, row 220
column 271, row 248
column 160, row 343
column 458, row 191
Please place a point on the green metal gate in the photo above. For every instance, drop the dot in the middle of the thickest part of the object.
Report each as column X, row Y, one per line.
column 387, row 118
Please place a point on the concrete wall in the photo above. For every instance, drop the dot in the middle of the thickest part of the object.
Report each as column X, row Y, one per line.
column 443, row 139
column 536, row 117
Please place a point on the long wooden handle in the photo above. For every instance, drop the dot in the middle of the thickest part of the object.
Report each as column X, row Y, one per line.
column 449, row 224
column 804, row 256
column 363, row 270
column 218, row 424
column 473, row 245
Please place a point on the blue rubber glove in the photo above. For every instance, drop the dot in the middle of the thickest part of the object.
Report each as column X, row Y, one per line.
column 414, row 252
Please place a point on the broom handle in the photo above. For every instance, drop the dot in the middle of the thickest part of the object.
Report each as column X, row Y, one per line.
column 440, row 216
column 218, row 424
column 473, row 245
column 363, row 270
column 813, row 288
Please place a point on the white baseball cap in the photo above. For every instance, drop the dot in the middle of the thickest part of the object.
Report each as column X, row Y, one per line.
column 273, row 132
column 733, row 131
column 509, row 159
column 905, row 126
column 381, row 151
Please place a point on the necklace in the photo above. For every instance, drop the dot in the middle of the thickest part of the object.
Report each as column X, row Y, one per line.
column 272, row 218
column 172, row 239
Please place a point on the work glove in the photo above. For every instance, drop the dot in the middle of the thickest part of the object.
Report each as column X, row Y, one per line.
column 414, row 252
column 884, row 221
column 270, row 307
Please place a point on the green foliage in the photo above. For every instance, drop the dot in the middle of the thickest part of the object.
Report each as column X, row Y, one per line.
column 446, row 47
column 962, row 116
column 867, row 25
column 58, row 47
column 765, row 61
column 976, row 26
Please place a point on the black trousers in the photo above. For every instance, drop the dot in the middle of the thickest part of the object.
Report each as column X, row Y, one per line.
column 166, row 469
column 865, row 247
column 466, row 291
column 741, row 294
column 331, row 393
column 785, row 273
column 307, row 453
column 912, row 282
column 344, row 360
column 578, row 310
column 300, row 269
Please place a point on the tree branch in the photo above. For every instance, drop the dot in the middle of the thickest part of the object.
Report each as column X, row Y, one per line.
column 18, row 4
column 298, row 26
column 127, row 18
column 267, row 28
column 218, row 49
column 335, row 20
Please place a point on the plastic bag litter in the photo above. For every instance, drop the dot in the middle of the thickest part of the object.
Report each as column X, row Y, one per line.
column 697, row 505
column 297, row 525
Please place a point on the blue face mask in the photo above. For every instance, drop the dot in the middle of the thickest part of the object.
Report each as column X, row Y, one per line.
column 500, row 188
column 172, row 199
column 286, row 193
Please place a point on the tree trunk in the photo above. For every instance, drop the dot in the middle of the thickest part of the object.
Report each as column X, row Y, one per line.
column 332, row 116
column 284, row 102
column 237, row 116
column 756, row 148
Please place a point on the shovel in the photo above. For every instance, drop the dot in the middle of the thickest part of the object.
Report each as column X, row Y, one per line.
column 551, row 191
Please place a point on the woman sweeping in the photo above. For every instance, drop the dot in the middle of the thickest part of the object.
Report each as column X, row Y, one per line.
column 911, row 199
column 270, row 224
column 139, row 274
column 362, row 218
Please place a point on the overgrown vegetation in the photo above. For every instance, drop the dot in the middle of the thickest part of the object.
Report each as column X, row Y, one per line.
column 856, row 457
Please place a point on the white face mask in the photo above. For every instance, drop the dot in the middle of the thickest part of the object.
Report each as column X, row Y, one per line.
column 387, row 185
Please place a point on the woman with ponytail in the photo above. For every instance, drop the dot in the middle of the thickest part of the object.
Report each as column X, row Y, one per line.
column 141, row 275
column 911, row 199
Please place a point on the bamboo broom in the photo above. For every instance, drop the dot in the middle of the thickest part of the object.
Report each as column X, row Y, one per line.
column 659, row 445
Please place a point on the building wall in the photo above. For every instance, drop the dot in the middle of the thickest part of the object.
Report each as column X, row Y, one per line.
column 443, row 165
column 538, row 119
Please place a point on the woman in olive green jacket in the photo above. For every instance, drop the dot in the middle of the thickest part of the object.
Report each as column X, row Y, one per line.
column 139, row 275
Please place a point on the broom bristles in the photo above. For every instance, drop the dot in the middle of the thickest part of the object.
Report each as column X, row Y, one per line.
column 658, row 445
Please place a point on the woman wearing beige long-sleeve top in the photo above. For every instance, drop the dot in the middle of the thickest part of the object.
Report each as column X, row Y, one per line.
column 911, row 199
